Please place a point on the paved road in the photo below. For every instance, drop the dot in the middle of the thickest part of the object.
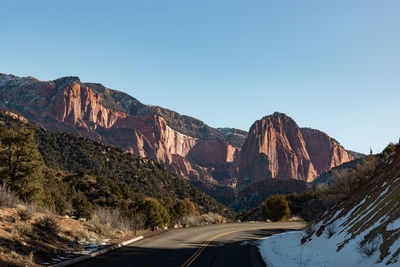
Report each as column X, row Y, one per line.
column 211, row 245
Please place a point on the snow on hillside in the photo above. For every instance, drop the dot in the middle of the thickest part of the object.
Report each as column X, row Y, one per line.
column 285, row 250
column 364, row 230
column 8, row 79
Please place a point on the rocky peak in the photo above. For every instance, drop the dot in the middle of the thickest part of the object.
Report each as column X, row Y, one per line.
column 11, row 80
column 277, row 148
column 324, row 151
column 67, row 79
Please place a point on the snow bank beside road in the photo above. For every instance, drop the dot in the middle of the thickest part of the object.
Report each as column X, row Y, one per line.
column 285, row 250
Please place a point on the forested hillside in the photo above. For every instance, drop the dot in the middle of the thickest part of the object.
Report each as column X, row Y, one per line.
column 78, row 156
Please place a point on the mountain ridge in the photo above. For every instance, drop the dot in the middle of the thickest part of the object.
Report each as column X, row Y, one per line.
column 184, row 144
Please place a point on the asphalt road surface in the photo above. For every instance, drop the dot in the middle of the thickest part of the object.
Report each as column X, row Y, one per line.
column 231, row 244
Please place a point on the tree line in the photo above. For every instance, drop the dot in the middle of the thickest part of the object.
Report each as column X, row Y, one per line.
column 22, row 169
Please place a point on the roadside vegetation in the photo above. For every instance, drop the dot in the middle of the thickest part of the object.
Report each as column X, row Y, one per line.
column 311, row 205
column 50, row 204
column 275, row 208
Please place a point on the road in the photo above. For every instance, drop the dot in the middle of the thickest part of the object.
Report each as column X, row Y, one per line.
column 231, row 244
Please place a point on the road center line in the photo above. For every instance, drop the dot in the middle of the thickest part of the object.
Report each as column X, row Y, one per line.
column 192, row 258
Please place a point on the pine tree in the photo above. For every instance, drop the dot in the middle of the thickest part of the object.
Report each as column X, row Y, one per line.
column 83, row 208
column 275, row 208
column 21, row 165
column 180, row 209
column 156, row 214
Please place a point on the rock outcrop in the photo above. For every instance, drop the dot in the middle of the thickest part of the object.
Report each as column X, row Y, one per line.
column 277, row 148
column 95, row 112
column 325, row 152
column 274, row 148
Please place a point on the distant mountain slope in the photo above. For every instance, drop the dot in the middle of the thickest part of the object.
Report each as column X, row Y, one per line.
column 185, row 144
column 68, row 152
column 356, row 155
column 213, row 159
column 326, row 177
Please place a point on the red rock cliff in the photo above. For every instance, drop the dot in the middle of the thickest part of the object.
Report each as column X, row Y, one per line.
column 276, row 148
column 325, row 152
column 67, row 104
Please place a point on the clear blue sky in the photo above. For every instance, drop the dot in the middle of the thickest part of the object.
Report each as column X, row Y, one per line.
column 330, row 65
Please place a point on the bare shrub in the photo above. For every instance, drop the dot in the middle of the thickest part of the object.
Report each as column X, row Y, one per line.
column 104, row 220
column 190, row 220
column 40, row 208
column 330, row 230
column 101, row 229
column 23, row 228
column 367, row 249
column 345, row 181
column 8, row 198
column 107, row 216
column 212, row 218
column 138, row 220
column 123, row 224
column 309, row 230
column 85, row 237
column 48, row 224
column 24, row 213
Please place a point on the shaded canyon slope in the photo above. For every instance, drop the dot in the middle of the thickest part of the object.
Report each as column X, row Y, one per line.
column 274, row 148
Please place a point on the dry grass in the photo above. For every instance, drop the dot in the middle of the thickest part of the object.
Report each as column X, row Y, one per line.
column 44, row 236
column 24, row 213
column 110, row 222
column 331, row 230
column 367, row 249
column 8, row 198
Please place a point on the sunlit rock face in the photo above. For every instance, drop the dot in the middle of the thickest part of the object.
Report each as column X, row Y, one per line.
column 277, row 148
column 112, row 117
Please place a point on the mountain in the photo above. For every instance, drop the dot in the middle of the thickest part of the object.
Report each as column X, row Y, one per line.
column 278, row 148
column 184, row 144
column 72, row 154
column 212, row 159
column 326, row 177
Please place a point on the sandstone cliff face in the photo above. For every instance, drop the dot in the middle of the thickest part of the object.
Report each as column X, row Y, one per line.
column 78, row 105
column 277, row 148
column 325, row 153
column 67, row 104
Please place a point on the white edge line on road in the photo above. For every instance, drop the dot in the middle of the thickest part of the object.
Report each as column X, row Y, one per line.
column 96, row 253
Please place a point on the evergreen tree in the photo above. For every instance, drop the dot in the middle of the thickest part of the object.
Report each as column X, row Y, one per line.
column 179, row 209
column 389, row 149
column 83, row 208
column 167, row 202
column 21, row 166
column 156, row 214
column 275, row 208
